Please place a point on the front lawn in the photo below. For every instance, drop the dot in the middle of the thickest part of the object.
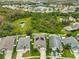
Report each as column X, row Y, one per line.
column 59, row 58
column 2, row 56
column 33, row 52
column 67, row 53
column 26, row 54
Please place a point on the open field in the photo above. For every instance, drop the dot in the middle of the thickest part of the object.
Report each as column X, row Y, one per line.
column 11, row 21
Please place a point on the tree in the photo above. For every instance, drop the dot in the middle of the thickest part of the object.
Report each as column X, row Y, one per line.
column 28, row 32
column 67, row 46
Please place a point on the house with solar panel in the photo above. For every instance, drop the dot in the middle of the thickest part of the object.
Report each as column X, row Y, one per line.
column 6, row 46
column 55, row 42
column 22, row 46
column 72, row 42
column 39, row 41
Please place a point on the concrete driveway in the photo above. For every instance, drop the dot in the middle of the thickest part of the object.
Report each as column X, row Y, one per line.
column 76, row 55
column 8, row 55
column 53, row 57
column 42, row 53
column 19, row 55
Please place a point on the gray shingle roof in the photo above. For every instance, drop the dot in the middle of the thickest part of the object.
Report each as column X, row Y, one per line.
column 23, row 43
column 54, row 41
column 71, row 41
column 7, row 42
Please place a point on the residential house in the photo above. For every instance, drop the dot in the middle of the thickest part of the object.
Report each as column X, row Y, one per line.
column 72, row 42
column 39, row 41
column 22, row 46
column 72, row 27
column 6, row 46
column 55, row 42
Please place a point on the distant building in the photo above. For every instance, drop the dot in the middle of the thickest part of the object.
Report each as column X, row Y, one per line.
column 42, row 9
column 67, row 9
column 6, row 46
column 72, row 19
column 72, row 27
column 62, row 19
column 39, row 41
column 72, row 42
column 38, row 1
column 55, row 42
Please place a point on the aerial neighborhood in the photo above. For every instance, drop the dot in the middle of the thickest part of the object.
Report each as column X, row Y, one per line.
column 39, row 29
column 45, row 45
column 43, row 8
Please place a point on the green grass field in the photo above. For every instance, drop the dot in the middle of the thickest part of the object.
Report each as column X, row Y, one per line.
column 19, row 29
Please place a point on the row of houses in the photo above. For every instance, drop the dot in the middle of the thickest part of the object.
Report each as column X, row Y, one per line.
column 23, row 44
column 8, row 43
column 55, row 42
column 42, row 8
column 71, row 41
